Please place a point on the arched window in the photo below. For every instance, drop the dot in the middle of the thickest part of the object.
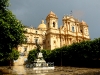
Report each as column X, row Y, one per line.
column 48, row 24
column 74, row 41
column 25, row 49
column 69, row 23
column 79, row 40
column 26, row 39
column 36, row 40
column 53, row 24
column 73, row 29
column 81, row 29
column 36, row 32
column 54, row 41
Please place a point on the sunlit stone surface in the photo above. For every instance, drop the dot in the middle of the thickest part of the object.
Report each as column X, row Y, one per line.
column 21, row 70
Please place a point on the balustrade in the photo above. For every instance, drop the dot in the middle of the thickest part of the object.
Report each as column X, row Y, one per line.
column 33, row 42
column 49, row 64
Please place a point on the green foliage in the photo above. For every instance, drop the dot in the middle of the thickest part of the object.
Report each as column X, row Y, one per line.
column 13, row 55
column 11, row 31
column 32, row 55
column 83, row 51
column 10, row 56
column 46, row 54
column 95, row 51
column 4, row 4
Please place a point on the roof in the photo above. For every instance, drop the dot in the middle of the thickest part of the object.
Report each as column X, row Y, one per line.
column 51, row 14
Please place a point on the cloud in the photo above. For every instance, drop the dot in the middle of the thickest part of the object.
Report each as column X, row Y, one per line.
column 31, row 12
column 78, row 14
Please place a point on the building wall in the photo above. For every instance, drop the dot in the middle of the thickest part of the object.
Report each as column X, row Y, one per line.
column 50, row 36
column 53, row 37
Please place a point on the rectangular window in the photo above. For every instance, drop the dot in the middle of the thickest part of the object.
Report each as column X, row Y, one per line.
column 73, row 29
column 36, row 40
column 36, row 32
column 25, row 49
column 53, row 24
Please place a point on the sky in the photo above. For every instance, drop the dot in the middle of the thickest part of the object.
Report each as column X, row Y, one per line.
column 31, row 12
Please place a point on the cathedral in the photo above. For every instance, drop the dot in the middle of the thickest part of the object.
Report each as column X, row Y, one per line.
column 49, row 36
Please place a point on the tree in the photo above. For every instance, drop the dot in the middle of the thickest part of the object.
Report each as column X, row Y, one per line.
column 13, row 55
column 32, row 55
column 46, row 54
column 4, row 4
column 11, row 31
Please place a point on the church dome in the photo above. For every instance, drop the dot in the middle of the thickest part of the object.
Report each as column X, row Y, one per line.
column 42, row 25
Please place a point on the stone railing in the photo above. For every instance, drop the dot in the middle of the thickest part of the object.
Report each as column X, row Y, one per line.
column 49, row 64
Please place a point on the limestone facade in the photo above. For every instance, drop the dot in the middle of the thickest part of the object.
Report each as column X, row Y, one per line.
column 50, row 36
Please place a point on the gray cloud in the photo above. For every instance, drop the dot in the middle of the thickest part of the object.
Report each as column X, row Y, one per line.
column 78, row 14
column 31, row 12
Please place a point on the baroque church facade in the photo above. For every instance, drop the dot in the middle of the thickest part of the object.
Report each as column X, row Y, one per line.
column 49, row 36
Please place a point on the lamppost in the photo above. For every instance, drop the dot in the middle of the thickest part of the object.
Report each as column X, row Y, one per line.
column 37, row 43
column 38, row 46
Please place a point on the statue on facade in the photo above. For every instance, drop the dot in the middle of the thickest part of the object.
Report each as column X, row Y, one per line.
column 38, row 47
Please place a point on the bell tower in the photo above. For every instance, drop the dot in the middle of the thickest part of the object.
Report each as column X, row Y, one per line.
column 52, row 21
column 85, row 28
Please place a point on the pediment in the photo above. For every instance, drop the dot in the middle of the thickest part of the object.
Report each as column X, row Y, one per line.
column 71, row 19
